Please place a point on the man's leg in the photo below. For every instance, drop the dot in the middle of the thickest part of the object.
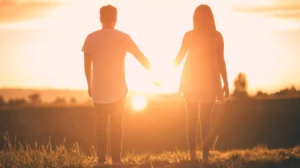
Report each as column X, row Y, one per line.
column 102, row 113
column 205, row 118
column 116, row 118
column 191, row 126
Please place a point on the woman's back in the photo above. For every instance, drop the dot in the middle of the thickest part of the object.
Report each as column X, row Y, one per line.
column 201, row 75
column 200, row 84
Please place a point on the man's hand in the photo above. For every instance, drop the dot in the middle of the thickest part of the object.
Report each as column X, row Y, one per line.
column 226, row 90
column 88, row 73
column 153, row 77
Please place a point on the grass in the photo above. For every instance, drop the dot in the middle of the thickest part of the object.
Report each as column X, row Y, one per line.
column 45, row 156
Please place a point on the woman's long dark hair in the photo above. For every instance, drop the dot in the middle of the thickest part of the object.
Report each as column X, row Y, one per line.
column 204, row 22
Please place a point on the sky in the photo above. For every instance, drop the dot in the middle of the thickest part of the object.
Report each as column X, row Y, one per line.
column 41, row 40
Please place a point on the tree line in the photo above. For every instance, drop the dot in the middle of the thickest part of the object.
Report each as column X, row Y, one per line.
column 240, row 92
column 35, row 99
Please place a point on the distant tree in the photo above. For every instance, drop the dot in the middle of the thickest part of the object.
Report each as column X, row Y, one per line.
column 293, row 90
column 35, row 98
column 16, row 102
column 261, row 94
column 73, row 100
column 282, row 92
column 60, row 100
column 241, row 86
column 287, row 91
column 2, row 101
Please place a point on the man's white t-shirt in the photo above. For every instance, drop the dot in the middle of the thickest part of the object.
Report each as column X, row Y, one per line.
column 108, row 48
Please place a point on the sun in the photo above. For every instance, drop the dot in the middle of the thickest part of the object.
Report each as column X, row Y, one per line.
column 139, row 102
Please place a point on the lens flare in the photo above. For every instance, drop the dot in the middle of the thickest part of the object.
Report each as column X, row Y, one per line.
column 139, row 102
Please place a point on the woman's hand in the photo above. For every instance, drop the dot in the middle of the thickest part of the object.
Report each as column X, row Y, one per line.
column 90, row 91
column 226, row 90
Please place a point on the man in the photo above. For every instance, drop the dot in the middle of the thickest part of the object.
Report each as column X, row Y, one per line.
column 105, row 49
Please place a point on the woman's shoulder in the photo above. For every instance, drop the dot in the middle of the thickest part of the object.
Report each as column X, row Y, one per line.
column 219, row 34
column 187, row 35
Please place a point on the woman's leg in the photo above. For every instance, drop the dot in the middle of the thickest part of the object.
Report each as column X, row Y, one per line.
column 191, row 126
column 205, row 119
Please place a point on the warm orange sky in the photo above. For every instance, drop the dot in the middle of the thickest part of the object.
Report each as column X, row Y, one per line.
column 40, row 40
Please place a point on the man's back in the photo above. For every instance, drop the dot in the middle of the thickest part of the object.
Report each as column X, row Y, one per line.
column 107, row 48
column 105, row 51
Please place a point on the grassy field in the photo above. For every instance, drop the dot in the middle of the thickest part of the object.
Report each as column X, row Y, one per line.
column 18, row 156
column 160, row 127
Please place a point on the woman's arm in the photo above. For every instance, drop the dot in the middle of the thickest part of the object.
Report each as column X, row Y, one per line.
column 222, row 64
column 182, row 52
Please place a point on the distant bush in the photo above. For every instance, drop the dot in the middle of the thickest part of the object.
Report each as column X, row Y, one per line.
column 287, row 91
column 2, row 101
column 16, row 102
column 261, row 94
column 73, row 100
column 60, row 100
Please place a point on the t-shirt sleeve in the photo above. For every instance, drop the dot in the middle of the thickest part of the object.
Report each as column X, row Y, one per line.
column 86, row 48
column 131, row 47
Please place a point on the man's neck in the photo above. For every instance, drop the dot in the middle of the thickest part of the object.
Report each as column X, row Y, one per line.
column 108, row 27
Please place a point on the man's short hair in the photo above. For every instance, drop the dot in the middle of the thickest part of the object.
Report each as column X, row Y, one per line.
column 108, row 14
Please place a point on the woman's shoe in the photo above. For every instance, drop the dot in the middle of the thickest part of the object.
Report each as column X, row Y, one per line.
column 193, row 155
column 205, row 157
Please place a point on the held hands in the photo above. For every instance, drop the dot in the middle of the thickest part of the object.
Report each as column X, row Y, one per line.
column 162, row 73
column 155, row 81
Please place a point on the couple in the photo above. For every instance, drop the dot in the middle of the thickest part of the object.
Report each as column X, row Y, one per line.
column 104, row 54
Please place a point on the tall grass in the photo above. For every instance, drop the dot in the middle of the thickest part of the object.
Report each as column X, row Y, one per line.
column 17, row 155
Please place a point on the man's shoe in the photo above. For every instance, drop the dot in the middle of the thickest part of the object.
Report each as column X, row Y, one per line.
column 100, row 164
column 205, row 157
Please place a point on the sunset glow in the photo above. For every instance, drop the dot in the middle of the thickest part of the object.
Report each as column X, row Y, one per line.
column 45, row 51
column 139, row 102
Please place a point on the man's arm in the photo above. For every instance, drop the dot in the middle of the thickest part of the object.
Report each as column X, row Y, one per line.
column 182, row 52
column 136, row 52
column 88, row 69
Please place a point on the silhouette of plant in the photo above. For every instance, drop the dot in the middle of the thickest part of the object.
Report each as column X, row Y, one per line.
column 287, row 91
column 261, row 94
column 293, row 90
column 2, row 101
column 60, row 100
column 16, row 102
column 73, row 100
column 35, row 98
column 241, row 86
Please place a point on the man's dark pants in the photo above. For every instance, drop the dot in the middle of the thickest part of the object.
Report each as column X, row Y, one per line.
column 114, row 112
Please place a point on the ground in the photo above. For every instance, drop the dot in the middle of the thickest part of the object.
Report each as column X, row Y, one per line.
column 45, row 156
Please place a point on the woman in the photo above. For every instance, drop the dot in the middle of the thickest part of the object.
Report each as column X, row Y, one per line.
column 200, row 83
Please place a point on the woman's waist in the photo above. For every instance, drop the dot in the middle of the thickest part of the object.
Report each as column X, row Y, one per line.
column 200, row 74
